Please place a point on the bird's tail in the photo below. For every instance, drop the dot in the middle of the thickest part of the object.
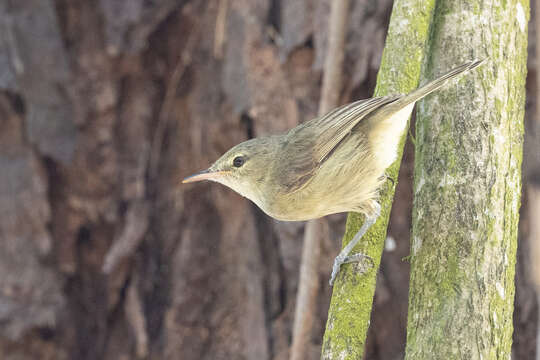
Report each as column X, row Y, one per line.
column 437, row 83
column 387, row 123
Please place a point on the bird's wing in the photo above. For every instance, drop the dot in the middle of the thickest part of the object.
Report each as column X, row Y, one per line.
column 310, row 144
column 337, row 124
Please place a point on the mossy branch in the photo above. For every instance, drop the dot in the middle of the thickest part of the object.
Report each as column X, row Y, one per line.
column 352, row 298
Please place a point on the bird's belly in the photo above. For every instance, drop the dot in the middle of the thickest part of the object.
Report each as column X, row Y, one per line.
column 301, row 206
column 353, row 189
column 294, row 215
column 291, row 208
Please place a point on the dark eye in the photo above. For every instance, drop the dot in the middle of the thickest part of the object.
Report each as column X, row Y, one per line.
column 238, row 161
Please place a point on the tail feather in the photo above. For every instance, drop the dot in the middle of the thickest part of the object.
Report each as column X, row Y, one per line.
column 388, row 110
column 387, row 123
column 437, row 83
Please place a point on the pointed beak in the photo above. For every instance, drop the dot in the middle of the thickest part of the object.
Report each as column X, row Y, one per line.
column 204, row 175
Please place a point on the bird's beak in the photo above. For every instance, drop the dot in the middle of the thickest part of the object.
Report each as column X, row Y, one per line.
column 204, row 175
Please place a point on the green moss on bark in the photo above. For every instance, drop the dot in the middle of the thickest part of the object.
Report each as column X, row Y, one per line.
column 467, row 185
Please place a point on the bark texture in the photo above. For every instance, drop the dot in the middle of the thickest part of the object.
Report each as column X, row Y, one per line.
column 351, row 305
column 467, row 186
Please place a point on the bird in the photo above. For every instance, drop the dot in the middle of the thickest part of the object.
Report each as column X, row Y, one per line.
column 331, row 164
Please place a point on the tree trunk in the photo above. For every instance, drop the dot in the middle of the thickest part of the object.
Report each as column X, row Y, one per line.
column 352, row 298
column 468, row 185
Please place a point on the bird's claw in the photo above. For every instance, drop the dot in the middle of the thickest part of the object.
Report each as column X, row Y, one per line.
column 348, row 259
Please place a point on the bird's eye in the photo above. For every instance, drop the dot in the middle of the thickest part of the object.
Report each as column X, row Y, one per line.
column 238, row 161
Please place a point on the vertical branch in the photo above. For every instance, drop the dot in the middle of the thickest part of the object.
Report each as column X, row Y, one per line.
column 219, row 33
column 533, row 191
column 308, row 286
column 534, row 239
column 352, row 298
column 467, row 185
column 332, row 76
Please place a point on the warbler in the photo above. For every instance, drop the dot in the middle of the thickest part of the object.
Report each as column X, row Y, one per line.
column 331, row 164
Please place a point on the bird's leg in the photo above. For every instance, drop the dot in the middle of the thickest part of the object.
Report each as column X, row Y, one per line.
column 344, row 256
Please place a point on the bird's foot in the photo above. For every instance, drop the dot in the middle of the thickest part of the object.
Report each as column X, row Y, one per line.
column 388, row 177
column 344, row 256
column 349, row 259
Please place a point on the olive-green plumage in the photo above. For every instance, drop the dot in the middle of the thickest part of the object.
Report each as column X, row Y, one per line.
column 331, row 164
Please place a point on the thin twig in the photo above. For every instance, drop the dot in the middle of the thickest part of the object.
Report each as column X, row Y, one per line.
column 136, row 319
column 533, row 194
column 219, row 33
column 332, row 76
column 308, row 286
column 131, row 236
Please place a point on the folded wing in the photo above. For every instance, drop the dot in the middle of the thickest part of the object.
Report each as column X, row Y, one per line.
column 310, row 144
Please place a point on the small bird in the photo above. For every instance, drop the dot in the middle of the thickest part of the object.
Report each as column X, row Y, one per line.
column 331, row 164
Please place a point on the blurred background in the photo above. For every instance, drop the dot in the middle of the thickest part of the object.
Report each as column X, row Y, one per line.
column 106, row 105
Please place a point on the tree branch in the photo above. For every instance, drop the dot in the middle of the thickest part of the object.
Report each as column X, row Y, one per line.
column 534, row 192
column 352, row 298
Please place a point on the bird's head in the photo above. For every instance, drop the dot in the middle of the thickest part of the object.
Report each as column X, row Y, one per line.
column 244, row 168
